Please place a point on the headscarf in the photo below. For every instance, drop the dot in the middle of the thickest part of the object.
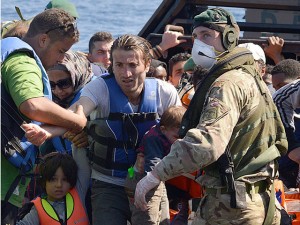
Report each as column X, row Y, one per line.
column 77, row 64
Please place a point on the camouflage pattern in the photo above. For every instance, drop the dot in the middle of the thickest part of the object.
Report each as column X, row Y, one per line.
column 234, row 115
column 232, row 97
column 215, row 210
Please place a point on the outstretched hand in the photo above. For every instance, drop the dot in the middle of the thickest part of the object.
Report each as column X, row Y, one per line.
column 35, row 134
column 148, row 182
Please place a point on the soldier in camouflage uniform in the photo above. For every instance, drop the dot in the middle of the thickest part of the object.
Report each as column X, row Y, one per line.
column 231, row 112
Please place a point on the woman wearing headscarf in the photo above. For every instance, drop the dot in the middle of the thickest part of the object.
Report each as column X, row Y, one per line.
column 67, row 80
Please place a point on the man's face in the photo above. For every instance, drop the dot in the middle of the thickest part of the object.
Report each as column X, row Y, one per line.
column 177, row 72
column 209, row 37
column 130, row 71
column 53, row 53
column 279, row 80
column 160, row 73
column 101, row 53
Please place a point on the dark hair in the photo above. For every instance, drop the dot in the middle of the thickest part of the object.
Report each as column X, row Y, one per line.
column 172, row 116
column 54, row 160
column 179, row 57
column 154, row 65
column 99, row 36
column 57, row 23
column 289, row 67
column 269, row 68
column 130, row 42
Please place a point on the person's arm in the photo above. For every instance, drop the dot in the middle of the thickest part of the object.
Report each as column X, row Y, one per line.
column 37, row 135
column 205, row 143
column 84, row 171
column 43, row 110
column 31, row 218
column 22, row 79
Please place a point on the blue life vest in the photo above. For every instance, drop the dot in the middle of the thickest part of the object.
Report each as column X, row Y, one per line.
column 11, row 45
column 14, row 145
column 116, row 138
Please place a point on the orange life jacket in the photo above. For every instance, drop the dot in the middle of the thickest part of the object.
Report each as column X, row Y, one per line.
column 188, row 185
column 75, row 212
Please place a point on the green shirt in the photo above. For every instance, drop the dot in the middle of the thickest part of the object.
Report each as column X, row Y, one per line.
column 22, row 78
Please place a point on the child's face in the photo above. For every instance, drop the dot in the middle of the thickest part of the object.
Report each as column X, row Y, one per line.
column 58, row 186
column 171, row 133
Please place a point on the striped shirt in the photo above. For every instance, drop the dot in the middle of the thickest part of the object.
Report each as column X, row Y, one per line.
column 287, row 99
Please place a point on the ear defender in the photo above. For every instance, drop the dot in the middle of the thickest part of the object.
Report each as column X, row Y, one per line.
column 229, row 37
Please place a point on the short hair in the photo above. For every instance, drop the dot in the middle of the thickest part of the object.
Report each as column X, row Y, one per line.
column 130, row 42
column 289, row 67
column 172, row 117
column 269, row 68
column 154, row 64
column 54, row 160
column 179, row 57
column 57, row 23
column 100, row 36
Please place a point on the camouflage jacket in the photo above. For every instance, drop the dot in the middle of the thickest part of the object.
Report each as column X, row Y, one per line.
column 237, row 112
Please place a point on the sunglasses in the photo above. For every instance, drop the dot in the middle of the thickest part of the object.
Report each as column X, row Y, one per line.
column 62, row 84
column 66, row 27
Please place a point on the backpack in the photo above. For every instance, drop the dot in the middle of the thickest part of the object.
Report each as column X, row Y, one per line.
column 14, row 146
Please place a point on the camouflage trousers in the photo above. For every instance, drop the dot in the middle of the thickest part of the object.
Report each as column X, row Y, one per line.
column 215, row 209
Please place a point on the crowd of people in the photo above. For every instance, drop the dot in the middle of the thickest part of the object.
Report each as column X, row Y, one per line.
column 122, row 137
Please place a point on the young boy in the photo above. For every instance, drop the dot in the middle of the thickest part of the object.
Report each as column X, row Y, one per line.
column 155, row 145
column 65, row 181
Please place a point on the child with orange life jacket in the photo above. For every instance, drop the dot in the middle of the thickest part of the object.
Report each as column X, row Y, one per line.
column 155, row 144
column 65, row 181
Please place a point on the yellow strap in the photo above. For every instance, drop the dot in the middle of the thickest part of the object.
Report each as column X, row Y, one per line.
column 70, row 205
column 49, row 209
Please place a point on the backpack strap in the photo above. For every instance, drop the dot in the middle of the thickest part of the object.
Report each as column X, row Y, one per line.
column 15, row 184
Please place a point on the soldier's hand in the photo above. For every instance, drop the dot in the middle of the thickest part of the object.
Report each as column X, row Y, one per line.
column 148, row 182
